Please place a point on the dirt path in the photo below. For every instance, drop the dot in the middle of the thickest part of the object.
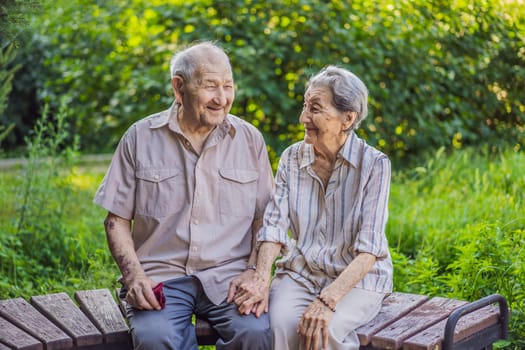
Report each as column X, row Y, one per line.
column 90, row 159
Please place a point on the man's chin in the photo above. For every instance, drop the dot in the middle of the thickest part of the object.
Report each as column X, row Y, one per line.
column 214, row 120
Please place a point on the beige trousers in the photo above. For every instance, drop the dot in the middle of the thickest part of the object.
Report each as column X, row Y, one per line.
column 289, row 299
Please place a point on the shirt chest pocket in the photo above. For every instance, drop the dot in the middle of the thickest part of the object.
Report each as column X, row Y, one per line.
column 160, row 192
column 237, row 191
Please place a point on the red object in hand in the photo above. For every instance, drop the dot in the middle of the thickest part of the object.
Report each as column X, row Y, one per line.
column 159, row 294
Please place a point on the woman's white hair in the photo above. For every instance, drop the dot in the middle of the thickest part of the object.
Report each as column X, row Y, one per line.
column 349, row 93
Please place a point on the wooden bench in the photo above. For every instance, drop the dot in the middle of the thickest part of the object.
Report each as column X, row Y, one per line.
column 406, row 321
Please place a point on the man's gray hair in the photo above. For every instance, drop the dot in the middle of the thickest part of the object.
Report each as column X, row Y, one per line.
column 349, row 93
column 185, row 62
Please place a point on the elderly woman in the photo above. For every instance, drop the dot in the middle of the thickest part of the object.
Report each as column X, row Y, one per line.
column 327, row 219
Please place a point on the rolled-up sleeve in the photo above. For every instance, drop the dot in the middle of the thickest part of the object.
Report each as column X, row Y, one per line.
column 265, row 183
column 117, row 190
column 371, row 237
column 276, row 220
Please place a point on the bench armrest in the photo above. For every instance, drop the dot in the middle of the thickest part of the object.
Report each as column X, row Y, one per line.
column 454, row 317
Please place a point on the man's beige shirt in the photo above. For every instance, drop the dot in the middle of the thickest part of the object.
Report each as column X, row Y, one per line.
column 192, row 214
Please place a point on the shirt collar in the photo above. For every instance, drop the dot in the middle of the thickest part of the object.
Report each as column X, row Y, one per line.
column 349, row 152
column 169, row 118
column 307, row 155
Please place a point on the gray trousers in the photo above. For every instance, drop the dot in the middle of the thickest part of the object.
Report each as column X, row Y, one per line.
column 172, row 328
column 289, row 299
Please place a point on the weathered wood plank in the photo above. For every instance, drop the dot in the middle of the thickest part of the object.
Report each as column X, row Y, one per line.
column 395, row 306
column 432, row 338
column 25, row 316
column 16, row 338
column 103, row 311
column 424, row 316
column 61, row 309
column 5, row 347
column 206, row 335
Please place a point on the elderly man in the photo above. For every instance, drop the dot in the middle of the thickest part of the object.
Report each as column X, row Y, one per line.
column 185, row 194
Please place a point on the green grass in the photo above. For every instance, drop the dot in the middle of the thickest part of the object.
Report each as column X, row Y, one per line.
column 456, row 229
column 59, row 244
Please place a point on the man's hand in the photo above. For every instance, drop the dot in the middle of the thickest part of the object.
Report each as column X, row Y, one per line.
column 140, row 293
column 250, row 292
column 313, row 325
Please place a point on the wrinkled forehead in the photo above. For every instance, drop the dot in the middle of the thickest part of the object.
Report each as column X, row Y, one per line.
column 318, row 93
column 213, row 63
column 213, row 71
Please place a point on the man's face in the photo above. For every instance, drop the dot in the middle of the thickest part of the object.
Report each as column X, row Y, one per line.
column 209, row 97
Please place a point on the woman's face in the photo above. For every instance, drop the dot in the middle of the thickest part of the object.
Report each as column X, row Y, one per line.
column 323, row 123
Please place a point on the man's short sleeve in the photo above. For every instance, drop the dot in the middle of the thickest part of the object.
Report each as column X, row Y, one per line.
column 117, row 190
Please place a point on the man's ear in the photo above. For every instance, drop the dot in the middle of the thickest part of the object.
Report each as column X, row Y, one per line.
column 177, row 83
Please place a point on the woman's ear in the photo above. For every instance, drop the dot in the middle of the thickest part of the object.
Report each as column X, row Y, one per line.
column 350, row 118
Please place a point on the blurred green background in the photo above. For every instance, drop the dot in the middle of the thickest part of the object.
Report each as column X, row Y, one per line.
column 440, row 73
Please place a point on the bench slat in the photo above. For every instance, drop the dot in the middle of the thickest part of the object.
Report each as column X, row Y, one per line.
column 395, row 306
column 16, row 338
column 103, row 311
column 24, row 315
column 4, row 347
column 424, row 316
column 432, row 338
column 206, row 335
column 61, row 309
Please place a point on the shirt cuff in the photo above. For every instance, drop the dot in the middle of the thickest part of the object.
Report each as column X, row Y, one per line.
column 372, row 243
column 272, row 234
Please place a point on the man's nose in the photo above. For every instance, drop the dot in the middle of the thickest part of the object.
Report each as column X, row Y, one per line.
column 220, row 97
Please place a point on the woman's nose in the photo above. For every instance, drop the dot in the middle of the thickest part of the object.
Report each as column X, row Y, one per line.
column 304, row 116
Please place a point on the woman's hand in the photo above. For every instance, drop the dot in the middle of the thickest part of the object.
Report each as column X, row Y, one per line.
column 250, row 294
column 313, row 325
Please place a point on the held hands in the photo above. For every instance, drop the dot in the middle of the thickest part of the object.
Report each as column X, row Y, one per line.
column 250, row 292
column 313, row 325
column 140, row 293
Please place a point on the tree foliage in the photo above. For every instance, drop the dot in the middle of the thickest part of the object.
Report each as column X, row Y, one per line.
column 439, row 72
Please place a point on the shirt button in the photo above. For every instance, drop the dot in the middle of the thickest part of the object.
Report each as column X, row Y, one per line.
column 194, row 249
column 190, row 271
column 156, row 176
column 195, row 221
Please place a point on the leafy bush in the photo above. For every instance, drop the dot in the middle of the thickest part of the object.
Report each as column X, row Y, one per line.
column 439, row 73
